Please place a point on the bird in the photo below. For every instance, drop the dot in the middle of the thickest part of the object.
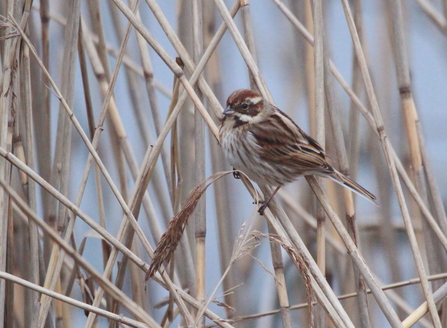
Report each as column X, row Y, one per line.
column 263, row 142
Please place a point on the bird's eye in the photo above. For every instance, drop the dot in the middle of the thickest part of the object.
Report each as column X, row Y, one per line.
column 245, row 106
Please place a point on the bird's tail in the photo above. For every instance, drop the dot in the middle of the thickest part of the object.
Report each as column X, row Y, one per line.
column 352, row 185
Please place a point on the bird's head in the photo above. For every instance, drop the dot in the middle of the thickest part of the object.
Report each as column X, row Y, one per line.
column 245, row 106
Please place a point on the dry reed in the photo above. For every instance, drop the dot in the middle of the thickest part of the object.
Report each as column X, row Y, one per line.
column 109, row 114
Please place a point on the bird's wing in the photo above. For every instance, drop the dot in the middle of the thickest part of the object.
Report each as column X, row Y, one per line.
column 282, row 142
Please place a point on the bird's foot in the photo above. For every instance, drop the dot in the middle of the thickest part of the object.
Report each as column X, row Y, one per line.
column 263, row 206
column 236, row 174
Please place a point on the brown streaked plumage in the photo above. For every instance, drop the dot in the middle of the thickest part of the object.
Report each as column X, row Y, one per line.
column 266, row 144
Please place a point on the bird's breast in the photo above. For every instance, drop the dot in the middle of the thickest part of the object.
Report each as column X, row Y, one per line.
column 244, row 153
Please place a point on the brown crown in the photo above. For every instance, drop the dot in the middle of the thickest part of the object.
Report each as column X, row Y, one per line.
column 240, row 95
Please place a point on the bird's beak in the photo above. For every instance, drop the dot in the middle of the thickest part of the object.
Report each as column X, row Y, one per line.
column 228, row 111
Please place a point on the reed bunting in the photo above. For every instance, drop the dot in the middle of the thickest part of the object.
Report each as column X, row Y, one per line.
column 266, row 144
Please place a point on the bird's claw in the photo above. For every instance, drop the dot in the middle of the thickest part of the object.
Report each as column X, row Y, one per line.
column 236, row 174
column 262, row 208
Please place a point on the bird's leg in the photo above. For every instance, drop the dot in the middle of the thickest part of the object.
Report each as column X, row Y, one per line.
column 236, row 174
column 267, row 202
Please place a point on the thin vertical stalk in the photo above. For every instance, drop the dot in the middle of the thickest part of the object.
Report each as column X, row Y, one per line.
column 389, row 237
column 61, row 162
column 6, row 123
column 10, row 263
column 176, row 187
column 319, row 128
column 199, row 152
column 91, row 125
column 434, row 193
column 42, row 116
column 354, row 126
column 96, row 21
column 187, row 265
column 249, row 37
column 137, row 280
column 280, row 279
column 310, row 67
column 117, row 135
column 30, row 192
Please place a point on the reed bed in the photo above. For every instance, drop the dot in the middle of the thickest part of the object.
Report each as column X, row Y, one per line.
column 118, row 208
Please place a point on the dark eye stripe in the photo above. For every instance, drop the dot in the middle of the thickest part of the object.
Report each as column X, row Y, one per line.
column 253, row 111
